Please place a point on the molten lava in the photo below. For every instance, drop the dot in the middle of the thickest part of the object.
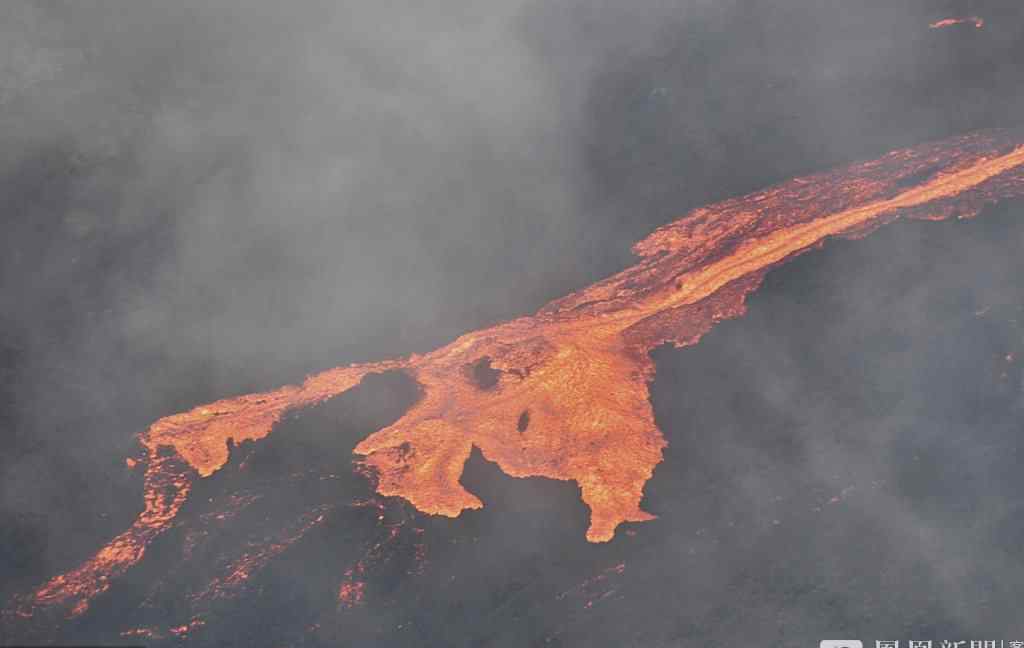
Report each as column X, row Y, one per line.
column 949, row 22
column 563, row 393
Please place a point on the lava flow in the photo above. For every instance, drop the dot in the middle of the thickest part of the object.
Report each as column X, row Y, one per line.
column 949, row 22
column 563, row 393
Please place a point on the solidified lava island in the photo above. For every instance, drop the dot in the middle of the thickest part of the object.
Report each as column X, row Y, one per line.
column 563, row 393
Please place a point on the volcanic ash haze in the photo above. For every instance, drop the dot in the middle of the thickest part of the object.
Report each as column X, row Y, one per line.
column 563, row 393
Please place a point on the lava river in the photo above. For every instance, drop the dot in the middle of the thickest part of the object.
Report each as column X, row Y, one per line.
column 563, row 393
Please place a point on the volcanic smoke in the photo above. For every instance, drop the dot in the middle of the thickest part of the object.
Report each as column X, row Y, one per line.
column 563, row 393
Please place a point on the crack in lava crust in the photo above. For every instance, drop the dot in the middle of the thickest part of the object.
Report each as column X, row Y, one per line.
column 577, row 371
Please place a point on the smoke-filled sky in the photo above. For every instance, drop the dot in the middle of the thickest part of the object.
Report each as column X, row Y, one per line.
column 203, row 199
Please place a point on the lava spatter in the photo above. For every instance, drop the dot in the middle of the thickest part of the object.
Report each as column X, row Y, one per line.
column 577, row 371
column 977, row 22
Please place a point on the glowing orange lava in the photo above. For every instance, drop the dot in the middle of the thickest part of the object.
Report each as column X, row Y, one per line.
column 563, row 393
column 949, row 22
column 241, row 569
column 350, row 593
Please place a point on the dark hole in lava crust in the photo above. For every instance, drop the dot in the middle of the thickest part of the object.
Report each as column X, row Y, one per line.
column 524, row 421
column 483, row 374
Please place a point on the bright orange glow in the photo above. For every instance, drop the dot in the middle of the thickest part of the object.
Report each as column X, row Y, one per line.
column 239, row 571
column 178, row 632
column 949, row 22
column 351, row 591
column 563, row 393
column 166, row 488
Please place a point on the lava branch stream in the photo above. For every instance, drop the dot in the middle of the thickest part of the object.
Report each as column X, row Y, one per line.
column 563, row 393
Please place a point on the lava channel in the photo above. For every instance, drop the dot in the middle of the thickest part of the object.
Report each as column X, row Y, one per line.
column 563, row 393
